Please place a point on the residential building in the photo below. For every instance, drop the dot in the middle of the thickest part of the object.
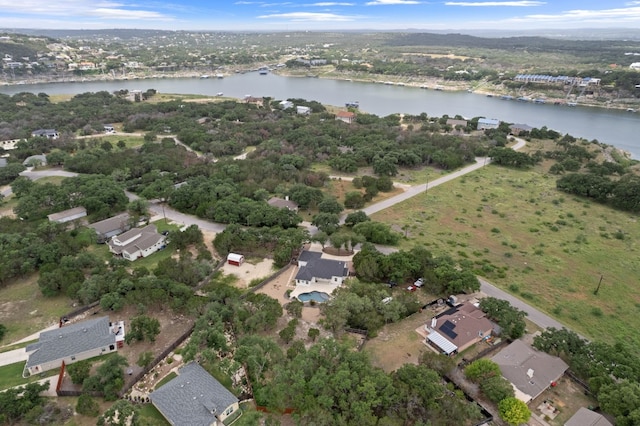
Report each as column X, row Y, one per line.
column 194, row 398
column 3, row 162
column 235, row 259
column 286, row 104
column 111, row 227
column 346, row 116
column 454, row 122
column 518, row 129
column 586, row 417
column 303, row 110
column 45, row 133
column 458, row 328
column 35, row 160
column 281, row 203
column 9, row 144
column 74, row 342
column 315, row 270
column 137, row 243
column 68, row 215
column 488, row 123
column 530, row 371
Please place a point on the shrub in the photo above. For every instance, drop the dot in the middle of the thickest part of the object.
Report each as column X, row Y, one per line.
column 87, row 406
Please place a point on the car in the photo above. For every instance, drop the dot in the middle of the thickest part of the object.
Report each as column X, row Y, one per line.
column 387, row 300
column 392, row 284
column 412, row 288
column 419, row 282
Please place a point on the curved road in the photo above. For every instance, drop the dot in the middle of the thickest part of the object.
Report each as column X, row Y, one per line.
column 534, row 315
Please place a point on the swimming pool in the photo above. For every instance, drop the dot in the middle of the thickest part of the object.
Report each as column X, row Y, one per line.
column 316, row 296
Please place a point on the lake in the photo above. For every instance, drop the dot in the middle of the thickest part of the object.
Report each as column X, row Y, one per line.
column 614, row 127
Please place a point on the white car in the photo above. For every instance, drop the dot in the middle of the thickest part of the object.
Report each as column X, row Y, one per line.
column 419, row 282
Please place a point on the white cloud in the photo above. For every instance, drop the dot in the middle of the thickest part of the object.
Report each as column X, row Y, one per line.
column 100, row 9
column 581, row 16
column 390, row 2
column 308, row 17
column 522, row 3
column 329, row 4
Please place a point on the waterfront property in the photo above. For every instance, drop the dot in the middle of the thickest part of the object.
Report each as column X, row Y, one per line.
column 74, row 342
column 488, row 123
column 530, row 371
column 346, row 116
column 194, row 398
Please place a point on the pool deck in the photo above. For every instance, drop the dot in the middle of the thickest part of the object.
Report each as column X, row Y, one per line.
column 321, row 288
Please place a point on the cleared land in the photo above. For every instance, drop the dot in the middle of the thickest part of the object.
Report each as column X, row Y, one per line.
column 543, row 245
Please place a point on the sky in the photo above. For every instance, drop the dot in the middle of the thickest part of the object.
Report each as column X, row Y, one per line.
column 295, row 15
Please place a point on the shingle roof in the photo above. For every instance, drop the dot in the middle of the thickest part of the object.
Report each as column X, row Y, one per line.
column 307, row 256
column 71, row 340
column 529, row 370
column 193, row 398
column 586, row 417
column 322, row 268
column 462, row 324
column 282, row 203
column 111, row 224
column 55, row 217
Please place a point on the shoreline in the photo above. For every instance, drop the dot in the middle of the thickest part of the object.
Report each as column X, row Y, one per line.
column 425, row 84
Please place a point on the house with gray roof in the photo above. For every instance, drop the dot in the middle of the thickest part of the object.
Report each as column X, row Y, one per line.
column 586, row 417
column 68, row 215
column 111, row 227
column 488, row 123
column 530, row 371
column 320, row 271
column 283, row 203
column 194, row 398
column 72, row 343
column 137, row 243
column 45, row 133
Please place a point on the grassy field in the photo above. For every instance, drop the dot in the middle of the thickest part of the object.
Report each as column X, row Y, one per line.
column 24, row 311
column 545, row 246
column 11, row 375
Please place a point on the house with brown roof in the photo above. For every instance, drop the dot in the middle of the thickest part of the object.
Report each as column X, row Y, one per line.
column 530, row 371
column 346, row 116
column 458, row 328
column 137, row 243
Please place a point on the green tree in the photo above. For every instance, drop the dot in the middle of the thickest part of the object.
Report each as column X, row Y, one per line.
column 79, row 371
column 121, row 413
column 294, row 308
column 354, row 200
column 109, row 377
column 289, row 332
column 354, row 218
column 496, row 388
column 514, row 411
column 326, row 222
column 143, row 327
column 621, row 400
column 481, row 369
column 87, row 406
column 330, row 205
column 509, row 318
column 16, row 403
column 313, row 334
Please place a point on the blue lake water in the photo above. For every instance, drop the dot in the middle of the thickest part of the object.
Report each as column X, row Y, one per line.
column 613, row 127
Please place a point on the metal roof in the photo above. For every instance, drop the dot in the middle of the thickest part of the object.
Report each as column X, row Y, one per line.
column 440, row 341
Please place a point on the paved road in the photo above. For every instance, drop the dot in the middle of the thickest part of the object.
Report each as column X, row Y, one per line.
column 534, row 315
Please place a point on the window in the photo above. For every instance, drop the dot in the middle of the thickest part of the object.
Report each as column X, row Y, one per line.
column 111, row 347
column 229, row 411
column 73, row 358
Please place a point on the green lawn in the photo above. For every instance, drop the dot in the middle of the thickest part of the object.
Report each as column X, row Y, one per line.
column 11, row 375
column 166, row 379
column 545, row 246
column 150, row 413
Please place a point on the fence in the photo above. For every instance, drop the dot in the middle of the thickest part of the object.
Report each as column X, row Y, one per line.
column 579, row 381
column 483, row 353
column 266, row 281
column 80, row 310
column 134, row 379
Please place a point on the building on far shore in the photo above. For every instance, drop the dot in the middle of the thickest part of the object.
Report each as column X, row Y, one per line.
column 488, row 123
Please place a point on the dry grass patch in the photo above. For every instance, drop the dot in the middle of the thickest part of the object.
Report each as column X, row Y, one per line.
column 545, row 246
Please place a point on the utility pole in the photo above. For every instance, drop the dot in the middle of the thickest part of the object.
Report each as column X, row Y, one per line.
column 598, row 288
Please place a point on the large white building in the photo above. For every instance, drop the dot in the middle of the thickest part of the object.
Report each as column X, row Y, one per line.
column 137, row 243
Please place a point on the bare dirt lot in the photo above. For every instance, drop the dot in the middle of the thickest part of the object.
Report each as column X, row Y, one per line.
column 250, row 270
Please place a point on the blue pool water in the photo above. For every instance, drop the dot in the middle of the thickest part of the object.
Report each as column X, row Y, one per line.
column 317, row 296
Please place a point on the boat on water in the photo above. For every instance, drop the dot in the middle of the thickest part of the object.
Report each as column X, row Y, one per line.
column 204, row 76
column 219, row 94
column 572, row 104
column 219, row 75
column 354, row 104
column 523, row 99
column 424, row 87
column 631, row 110
column 539, row 101
column 506, row 97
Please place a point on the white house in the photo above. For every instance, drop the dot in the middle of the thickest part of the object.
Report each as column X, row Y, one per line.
column 488, row 123
column 286, row 104
column 137, row 243
column 635, row 66
column 72, row 343
column 315, row 270
column 303, row 110
column 45, row 133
